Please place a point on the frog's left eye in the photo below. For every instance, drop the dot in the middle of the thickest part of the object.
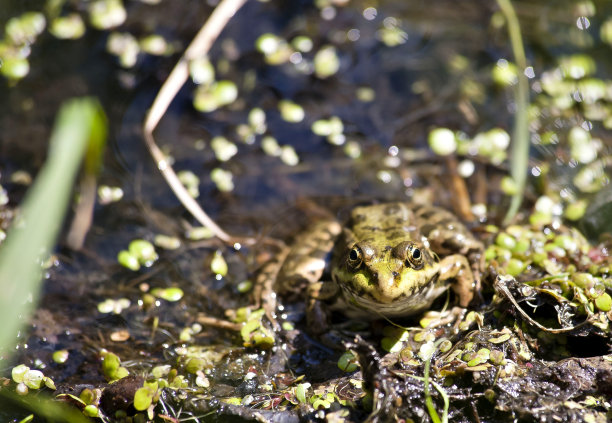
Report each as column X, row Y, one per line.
column 415, row 257
column 355, row 257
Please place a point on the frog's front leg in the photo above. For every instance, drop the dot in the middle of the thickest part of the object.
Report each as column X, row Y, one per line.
column 457, row 267
column 317, row 314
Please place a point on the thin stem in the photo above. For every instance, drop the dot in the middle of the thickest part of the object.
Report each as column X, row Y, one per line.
column 199, row 47
column 520, row 133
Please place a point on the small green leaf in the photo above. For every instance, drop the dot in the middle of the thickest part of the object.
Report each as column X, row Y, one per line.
column 60, row 356
column 218, row 265
column 604, row 302
column 18, row 373
column 171, row 294
column 33, row 379
column 127, row 259
column 442, row 141
column 91, row 411
column 143, row 398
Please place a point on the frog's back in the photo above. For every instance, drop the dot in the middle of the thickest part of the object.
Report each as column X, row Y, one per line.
column 412, row 221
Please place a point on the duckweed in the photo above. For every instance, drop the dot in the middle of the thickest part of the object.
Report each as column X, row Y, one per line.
column 515, row 267
column 210, row 97
column 253, row 332
column 111, row 366
column 223, row 148
column 575, row 210
column 107, row 194
column 442, row 141
column 352, row 149
column 427, row 350
column 106, row 14
column 348, row 362
column 497, row 357
column 125, row 47
column 506, row 241
column 15, row 67
column 145, row 396
column 508, row 185
column 60, row 356
column 167, row 242
column 91, row 410
column 257, row 120
column 223, row 179
column 198, row 233
column 577, row 66
column 301, row 390
column 171, row 294
column 445, row 346
column 202, row 71
column 144, row 251
column 604, row 302
column 326, row 62
column 505, row 73
column 113, row 306
column 290, row 111
column 218, row 265
column 18, row 372
column 25, row 28
column 275, row 49
column 302, row 43
column 289, row 156
column 155, row 45
column 190, row 181
column 68, row 27
column 391, row 34
column 127, row 259
column 244, row 286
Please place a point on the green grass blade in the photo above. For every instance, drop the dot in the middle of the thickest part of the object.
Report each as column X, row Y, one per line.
column 44, row 406
column 520, row 132
column 80, row 124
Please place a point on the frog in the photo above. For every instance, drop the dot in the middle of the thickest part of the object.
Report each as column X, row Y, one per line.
column 388, row 260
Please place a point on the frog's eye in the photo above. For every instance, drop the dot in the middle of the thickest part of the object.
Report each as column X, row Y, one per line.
column 415, row 258
column 355, row 257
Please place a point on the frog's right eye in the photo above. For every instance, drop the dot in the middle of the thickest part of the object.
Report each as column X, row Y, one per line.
column 355, row 257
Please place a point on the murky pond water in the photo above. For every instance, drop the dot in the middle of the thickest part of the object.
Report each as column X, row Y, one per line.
column 336, row 103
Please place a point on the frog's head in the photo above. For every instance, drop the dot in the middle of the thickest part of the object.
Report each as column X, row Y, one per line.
column 383, row 273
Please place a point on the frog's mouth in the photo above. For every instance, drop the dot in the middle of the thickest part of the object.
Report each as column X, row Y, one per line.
column 404, row 305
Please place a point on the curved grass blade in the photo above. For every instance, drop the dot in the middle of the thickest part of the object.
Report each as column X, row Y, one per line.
column 79, row 127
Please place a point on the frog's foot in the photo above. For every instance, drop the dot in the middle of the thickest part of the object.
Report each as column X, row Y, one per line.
column 457, row 267
column 453, row 316
column 317, row 315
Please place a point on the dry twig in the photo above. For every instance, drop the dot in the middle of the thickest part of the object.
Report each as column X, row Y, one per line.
column 199, row 47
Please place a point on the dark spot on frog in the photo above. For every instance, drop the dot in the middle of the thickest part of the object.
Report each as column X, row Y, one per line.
column 397, row 234
column 391, row 209
column 450, row 244
column 371, row 228
column 447, row 223
column 400, row 251
column 428, row 228
column 427, row 214
column 358, row 218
